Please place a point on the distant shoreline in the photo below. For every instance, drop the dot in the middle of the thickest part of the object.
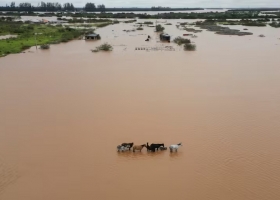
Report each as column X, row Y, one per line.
column 131, row 9
column 60, row 8
column 36, row 9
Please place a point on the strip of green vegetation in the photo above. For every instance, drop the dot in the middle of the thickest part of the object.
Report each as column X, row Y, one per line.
column 82, row 20
column 275, row 24
column 31, row 34
column 192, row 30
column 130, row 21
column 148, row 23
column 175, row 15
column 106, row 17
column 244, row 22
column 211, row 25
column 241, row 14
column 184, row 23
column 102, row 25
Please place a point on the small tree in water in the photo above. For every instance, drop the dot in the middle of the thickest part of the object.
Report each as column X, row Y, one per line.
column 189, row 47
column 159, row 28
column 180, row 41
column 45, row 46
column 103, row 47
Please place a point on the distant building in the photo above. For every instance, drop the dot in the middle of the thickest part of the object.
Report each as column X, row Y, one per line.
column 92, row 36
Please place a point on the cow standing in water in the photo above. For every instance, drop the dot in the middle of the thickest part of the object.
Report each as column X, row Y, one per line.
column 175, row 147
column 157, row 146
column 138, row 147
column 128, row 145
column 149, row 148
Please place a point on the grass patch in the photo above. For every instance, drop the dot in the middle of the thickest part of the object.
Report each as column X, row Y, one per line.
column 192, row 30
column 100, row 25
column 148, row 23
column 85, row 25
column 46, row 34
column 184, row 23
column 130, row 21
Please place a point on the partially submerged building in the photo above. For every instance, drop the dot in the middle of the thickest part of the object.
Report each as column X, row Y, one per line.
column 164, row 37
column 92, row 36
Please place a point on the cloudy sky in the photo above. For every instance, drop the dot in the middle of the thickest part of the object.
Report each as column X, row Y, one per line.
column 167, row 3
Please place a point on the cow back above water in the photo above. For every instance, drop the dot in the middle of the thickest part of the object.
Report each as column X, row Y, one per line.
column 156, row 146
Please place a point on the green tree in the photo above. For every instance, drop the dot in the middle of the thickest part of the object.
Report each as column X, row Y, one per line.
column 68, row 7
column 13, row 5
column 101, row 8
column 159, row 28
column 90, row 7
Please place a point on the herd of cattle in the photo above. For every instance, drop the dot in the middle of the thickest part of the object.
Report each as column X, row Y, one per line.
column 152, row 147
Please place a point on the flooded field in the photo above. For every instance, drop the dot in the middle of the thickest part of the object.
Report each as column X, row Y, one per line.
column 64, row 111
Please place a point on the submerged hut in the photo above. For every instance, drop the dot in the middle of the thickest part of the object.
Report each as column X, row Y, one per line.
column 164, row 37
column 92, row 36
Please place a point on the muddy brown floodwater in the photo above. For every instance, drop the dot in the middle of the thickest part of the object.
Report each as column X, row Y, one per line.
column 63, row 111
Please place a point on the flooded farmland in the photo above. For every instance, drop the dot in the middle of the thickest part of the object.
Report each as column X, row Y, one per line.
column 64, row 111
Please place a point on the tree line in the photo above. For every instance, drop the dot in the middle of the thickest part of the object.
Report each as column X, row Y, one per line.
column 92, row 7
column 89, row 7
column 50, row 6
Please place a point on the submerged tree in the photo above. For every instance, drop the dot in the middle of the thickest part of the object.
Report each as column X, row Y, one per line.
column 159, row 28
column 45, row 46
column 179, row 40
column 189, row 47
column 103, row 47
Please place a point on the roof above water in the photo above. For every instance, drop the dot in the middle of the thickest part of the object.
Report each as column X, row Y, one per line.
column 92, row 35
column 165, row 35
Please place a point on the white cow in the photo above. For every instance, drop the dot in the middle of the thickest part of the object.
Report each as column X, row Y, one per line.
column 122, row 148
column 175, row 147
